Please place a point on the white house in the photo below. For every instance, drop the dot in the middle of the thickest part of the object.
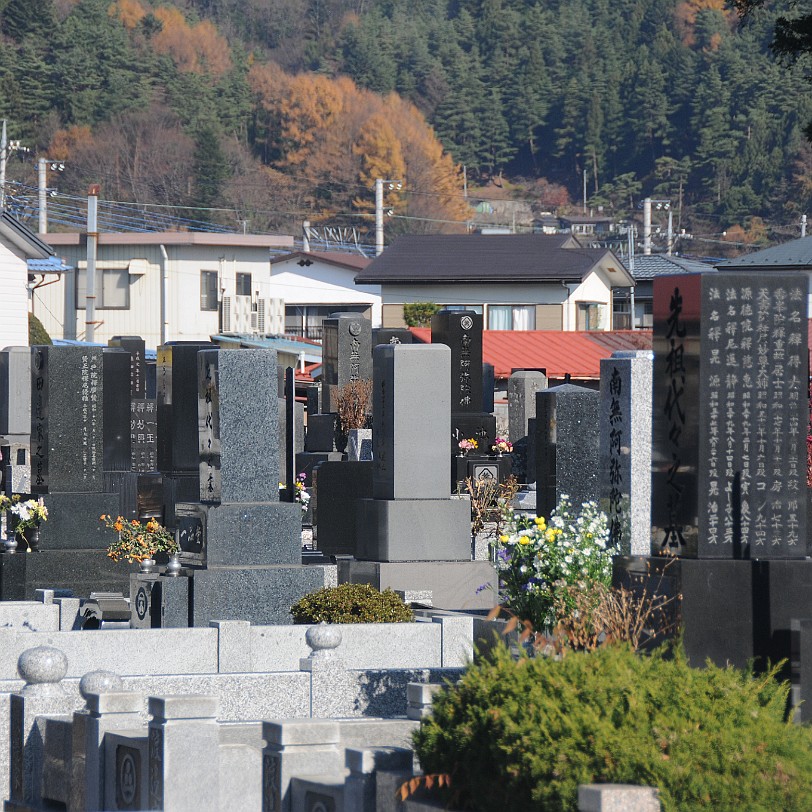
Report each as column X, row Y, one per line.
column 18, row 247
column 315, row 284
column 518, row 282
column 166, row 286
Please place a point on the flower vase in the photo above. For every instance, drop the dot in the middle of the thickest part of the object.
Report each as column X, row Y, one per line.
column 147, row 565
column 31, row 537
column 498, row 454
column 174, row 566
column 10, row 542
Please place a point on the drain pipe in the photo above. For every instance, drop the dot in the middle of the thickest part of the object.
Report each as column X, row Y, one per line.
column 164, row 291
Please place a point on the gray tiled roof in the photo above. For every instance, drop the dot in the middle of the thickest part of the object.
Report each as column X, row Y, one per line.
column 794, row 254
column 649, row 266
column 482, row 258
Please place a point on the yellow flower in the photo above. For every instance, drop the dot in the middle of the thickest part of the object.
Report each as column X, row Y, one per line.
column 539, row 520
column 503, row 538
column 524, row 540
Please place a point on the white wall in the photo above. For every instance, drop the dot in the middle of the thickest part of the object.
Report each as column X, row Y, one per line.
column 13, row 298
column 185, row 321
column 515, row 294
column 322, row 284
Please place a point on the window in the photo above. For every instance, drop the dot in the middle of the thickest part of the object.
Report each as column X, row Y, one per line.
column 112, row 289
column 243, row 284
column 589, row 316
column 208, row 290
column 306, row 320
column 475, row 308
column 511, row 317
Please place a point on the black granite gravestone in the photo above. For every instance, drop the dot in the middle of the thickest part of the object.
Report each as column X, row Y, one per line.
column 462, row 331
column 136, row 346
column 116, row 410
column 488, row 386
column 337, row 488
column 391, row 335
column 178, row 451
column 730, row 416
column 567, row 446
column 346, row 354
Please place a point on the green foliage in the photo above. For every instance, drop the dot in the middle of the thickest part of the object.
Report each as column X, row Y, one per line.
column 418, row 314
column 351, row 603
column 37, row 334
column 523, row 734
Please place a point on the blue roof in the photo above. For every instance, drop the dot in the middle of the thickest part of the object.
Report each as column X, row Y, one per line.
column 149, row 355
column 50, row 265
column 649, row 266
column 792, row 254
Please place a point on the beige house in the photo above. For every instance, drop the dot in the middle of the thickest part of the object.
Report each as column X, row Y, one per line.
column 518, row 282
column 166, row 286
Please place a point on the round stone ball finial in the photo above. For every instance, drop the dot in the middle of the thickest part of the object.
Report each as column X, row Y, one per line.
column 43, row 666
column 323, row 638
column 100, row 682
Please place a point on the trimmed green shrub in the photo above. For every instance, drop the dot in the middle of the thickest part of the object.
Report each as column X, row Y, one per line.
column 523, row 734
column 418, row 314
column 37, row 334
column 351, row 603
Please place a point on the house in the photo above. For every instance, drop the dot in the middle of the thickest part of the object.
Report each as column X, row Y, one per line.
column 645, row 269
column 166, row 286
column 21, row 253
column 586, row 225
column 315, row 284
column 517, row 281
column 790, row 257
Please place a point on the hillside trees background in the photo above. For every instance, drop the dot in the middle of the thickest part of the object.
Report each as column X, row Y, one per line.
column 272, row 111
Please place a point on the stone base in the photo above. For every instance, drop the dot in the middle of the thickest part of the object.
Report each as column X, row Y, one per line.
column 249, row 533
column 79, row 571
column 339, row 487
column 260, row 595
column 307, row 461
column 455, row 585
column 414, row 529
column 479, row 466
column 730, row 611
column 73, row 521
column 158, row 602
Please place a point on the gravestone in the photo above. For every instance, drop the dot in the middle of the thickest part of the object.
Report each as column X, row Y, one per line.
column 625, row 447
column 346, row 354
column 178, row 443
column 117, row 370
column 15, row 394
column 337, row 489
column 567, row 446
column 461, row 331
column 488, row 386
column 522, row 388
column 411, row 517
column 730, row 416
column 67, row 471
column 728, row 471
column 247, row 542
column 391, row 335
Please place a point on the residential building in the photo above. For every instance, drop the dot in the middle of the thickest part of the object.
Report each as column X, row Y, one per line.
column 166, row 286
column 645, row 268
column 518, row 281
column 23, row 257
column 315, row 284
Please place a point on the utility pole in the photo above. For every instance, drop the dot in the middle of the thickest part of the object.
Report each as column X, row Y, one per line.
column 43, row 164
column 585, row 190
column 647, row 226
column 3, row 156
column 670, row 230
column 803, row 226
column 379, row 182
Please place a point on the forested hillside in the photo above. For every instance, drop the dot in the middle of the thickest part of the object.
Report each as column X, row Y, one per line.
column 279, row 110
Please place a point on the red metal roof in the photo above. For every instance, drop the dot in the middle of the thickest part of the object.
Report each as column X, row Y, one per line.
column 559, row 352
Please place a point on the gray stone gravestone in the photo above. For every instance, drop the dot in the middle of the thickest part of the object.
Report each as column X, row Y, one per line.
column 411, row 517
column 248, row 542
column 522, row 387
column 15, row 394
column 567, row 446
column 730, row 416
column 625, row 469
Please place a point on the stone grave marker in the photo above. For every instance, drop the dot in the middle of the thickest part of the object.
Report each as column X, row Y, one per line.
column 625, row 447
column 346, row 354
column 730, row 416
column 522, row 388
column 567, row 446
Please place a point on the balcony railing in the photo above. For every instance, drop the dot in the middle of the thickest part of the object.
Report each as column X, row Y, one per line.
column 313, row 332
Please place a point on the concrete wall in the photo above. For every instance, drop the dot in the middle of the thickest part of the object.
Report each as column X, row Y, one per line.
column 14, row 298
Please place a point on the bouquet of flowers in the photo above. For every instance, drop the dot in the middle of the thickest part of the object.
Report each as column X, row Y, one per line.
column 501, row 445
column 137, row 541
column 539, row 561
column 468, row 444
column 29, row 513
column 301, row 494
